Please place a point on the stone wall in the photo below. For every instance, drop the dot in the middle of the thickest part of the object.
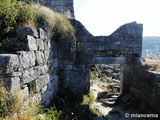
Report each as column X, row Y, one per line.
column 44, row 67
column 61, row 6
column 30, row 65
column 145, row 86
column 124, row 47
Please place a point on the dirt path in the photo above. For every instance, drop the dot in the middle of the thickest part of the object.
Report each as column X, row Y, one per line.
column 98, row 105
column 110, row 112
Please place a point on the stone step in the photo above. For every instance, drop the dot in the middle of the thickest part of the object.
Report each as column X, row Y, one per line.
column 117, row 81
column 112, row 84
column 105, row 101
column 114, row 96
column 111, row 99
column 116, row 86
column 116, row 93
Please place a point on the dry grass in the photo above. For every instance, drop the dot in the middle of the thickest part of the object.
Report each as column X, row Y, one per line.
column 151, row 65
column 12, row 107
column 56, row 23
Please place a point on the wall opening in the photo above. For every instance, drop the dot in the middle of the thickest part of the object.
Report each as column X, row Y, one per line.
column 105, row 78
column 105, row 87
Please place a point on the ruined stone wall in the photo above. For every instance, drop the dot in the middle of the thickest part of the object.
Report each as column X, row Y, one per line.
column 44, row 66
column 30, row 65
column 61, row 6
column 124, row 47
column 145, row 86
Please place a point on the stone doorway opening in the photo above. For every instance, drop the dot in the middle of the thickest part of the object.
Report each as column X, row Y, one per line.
column 105, row 82
column 104, row 88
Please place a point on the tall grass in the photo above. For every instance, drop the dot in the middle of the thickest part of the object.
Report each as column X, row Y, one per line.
column 12, row 108
column 57, row 24
column 8, row 102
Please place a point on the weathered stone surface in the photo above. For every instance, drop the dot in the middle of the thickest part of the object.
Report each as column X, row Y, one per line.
column 8, row 63
column 41, row 82
column 40, row 58
column 24, row 43
column 32, row 43
column 40, row 44
column 33, row 73
column 42, row 34
column 27, row 31
column 14, row 74
column 25, row 92
column 12, row 83
column 27, row 59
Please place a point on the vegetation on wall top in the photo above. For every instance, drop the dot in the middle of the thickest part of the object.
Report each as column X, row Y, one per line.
column 15, row 14
column 57, row 24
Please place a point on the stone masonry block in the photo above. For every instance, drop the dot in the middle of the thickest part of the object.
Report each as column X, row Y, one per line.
column 42, row 34
column 40, row 58
column 27, row 59
column 8, row 63
column 41, row 82
column 33, row 73
column 40, row 44
column 25, row 43
column 46, row 54
column 32, row 43
column 27, row 31
column 25, row 92
column 12, row 84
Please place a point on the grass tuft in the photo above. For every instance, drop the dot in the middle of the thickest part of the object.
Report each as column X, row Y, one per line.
column 57, row 24
column 151, row 64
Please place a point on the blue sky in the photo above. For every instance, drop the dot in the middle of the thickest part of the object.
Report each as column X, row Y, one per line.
column 102, row 17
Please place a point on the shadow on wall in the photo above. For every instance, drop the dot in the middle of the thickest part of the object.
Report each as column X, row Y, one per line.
column 9, row 63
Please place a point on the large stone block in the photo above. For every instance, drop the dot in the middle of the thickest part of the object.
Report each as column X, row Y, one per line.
column 8, row 63
column 40, row 58
column 40, row 44
column 42, row 34
column 27, row 59
column 32, row 43
column 41, row 82
column 27, row 31
column 33, row 73
column 25, row 43
column 12, row 84
column 25, row 92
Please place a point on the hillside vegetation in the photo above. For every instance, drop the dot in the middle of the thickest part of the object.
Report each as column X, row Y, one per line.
column 14, row 14
column 151, row 64
column 151, row 47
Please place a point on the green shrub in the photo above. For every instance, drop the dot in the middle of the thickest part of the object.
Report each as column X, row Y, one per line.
column 102, row 75
column 13, row 13
column 92, row 76
column 52, row 113
column 88, row 99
